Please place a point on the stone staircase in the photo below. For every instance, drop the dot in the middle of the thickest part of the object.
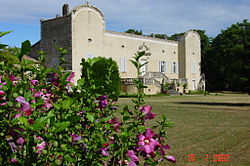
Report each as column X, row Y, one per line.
column 155, row 78
column 155, row 81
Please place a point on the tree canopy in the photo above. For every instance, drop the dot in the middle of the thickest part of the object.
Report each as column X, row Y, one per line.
column 227, row 61
column 133, row 31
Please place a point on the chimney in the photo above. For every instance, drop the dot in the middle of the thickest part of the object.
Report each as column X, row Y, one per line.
column 65, row 9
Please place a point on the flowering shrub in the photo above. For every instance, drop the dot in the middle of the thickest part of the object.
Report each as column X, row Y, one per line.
column 47, row 120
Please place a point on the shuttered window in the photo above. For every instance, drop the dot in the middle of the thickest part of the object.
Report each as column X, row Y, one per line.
column 162, row 67
column 123, row 65
column 193, row 68
column 174, row 67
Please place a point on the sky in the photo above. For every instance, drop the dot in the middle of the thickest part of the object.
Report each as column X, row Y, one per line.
column 151, row 16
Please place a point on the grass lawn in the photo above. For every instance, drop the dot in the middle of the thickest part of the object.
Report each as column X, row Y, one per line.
column 205, row 126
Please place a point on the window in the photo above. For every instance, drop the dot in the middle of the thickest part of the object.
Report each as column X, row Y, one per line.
column 89, row 56
column 193, row 68
column 123, row 65
column 163, row 66
column 174, row 68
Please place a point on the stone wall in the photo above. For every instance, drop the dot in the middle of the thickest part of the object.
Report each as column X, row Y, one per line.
column 56, row 33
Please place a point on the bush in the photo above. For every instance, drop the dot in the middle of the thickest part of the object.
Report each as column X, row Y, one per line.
column 105, row 74
column 46, row 120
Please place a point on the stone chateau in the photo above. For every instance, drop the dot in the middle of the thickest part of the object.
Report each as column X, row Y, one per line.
column 83, row 33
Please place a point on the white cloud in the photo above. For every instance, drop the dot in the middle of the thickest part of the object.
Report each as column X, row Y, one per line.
column 158, row 16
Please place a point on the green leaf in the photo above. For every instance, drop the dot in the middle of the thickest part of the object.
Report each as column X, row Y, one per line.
column 9, row 82
column 39, row 102
column 68, row 158
column 124, row 136
column 27, row 62
column 105, row 119
column 23, row 120
column 4, row 33
column 3, row 46
column 57, row 105
column 90, row 117
column 80, row 82
column 125, row 118
column 14, row 121
column 51, row 114
column 39, row 123
column 65, row 76
column 67, row 103
column 134, row 63
column 60, row 126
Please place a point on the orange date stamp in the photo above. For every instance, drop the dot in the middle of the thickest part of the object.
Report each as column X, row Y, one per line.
column 209, row 157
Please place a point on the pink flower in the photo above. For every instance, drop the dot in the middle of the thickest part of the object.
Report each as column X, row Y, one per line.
column 13, row 160
column 147, row 111
column 4, row 103
column 71, row 79
column 20, row 141
column 38, row 138
column 103, row 102
column 40, row 147
column 54, row 79
column 75, row 137
column 104, row 151
column 34, row 82
column 31, row 121
column 171, row 159
column 13, row 146
column 133, row 158
column 116, row 124
column 2, row 98
column 25, row 107
column 46, row 99
column 2, row 93
column 18, row 115
column 1, row 83
column 38, row 94
column 162, row 148
column 13, row 79
column 146, row 142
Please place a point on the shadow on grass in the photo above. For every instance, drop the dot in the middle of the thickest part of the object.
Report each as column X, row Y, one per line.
column 215, row 103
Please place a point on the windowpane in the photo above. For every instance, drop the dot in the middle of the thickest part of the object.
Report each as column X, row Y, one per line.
column 162, row 66
column 193, row 68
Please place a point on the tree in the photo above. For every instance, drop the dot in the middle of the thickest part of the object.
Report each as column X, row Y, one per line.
column 7, row 54
column 175, row 36
column 160, row 36
column 105, row 74
column 229, row 59
column 133, row 31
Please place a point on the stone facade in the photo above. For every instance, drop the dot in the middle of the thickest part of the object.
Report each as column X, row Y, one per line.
column 82, row 31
